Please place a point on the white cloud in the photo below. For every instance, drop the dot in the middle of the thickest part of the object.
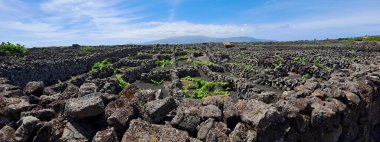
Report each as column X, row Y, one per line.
column 156, row 30
column 97, row 21
column 63, row 22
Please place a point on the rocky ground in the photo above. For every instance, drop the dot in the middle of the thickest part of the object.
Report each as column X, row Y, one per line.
column 202, row 92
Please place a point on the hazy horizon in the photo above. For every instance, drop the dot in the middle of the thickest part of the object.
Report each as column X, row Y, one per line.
column 97, row 22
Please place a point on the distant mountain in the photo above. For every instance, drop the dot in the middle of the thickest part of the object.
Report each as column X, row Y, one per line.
column 203, row 39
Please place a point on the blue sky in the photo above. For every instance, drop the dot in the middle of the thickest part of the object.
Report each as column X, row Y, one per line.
column 94, row 22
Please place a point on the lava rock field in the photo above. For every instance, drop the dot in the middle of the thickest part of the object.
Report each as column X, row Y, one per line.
column 256, row 92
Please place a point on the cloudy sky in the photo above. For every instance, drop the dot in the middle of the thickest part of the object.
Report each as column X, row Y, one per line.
column 94, row 22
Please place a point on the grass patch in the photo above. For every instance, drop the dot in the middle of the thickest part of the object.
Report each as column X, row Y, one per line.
column 164, row 63
column 317, row 62
column 300, row 60
column 122, row 70
column 100, row 66
column 157, row 82
column 305, row 77
column 87, row 48
column 10, row 48
column 73, row 78
column 140, row 53
column 199, row 63
column 185, row 57
column 122, row 82
column 249, row 67
column 201, row 88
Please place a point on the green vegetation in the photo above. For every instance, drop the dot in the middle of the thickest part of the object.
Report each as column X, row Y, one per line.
column 353, row 51
column 309, row 52
column 73, row 77
column 199, row 63
column 140, row 53
column 100, row 66
column 23, row 57
column 157, row 82
column 366, row 38
column 164, row 63
column 185, row 57
column 142, row 91
column 249, row 67
column 122, row 82
column 300, row 60
column 189, row 50
column 122, row 70
column 201, row 88
column 328, row 69
column 305, row 77
column 317, row 62
column 87, row 48
column 281, row 60
column 371, row 38
column 10, row 48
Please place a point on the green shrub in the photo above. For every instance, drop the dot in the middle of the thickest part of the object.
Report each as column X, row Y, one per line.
column 164, row 63
column 353, row 51
column 157, row 82
column 122, row 82
column 300, row 60
column 122, row 70
column 202, row 88
column 249, row 67
column 10, row 48
column 100, row 66
column 140, row 53
column 199, row 63
column 305, row 77
column 182, row 58
column 87, row 48
column 328, row 69
column 317, row 62
column 372, row 38
column 73, row 78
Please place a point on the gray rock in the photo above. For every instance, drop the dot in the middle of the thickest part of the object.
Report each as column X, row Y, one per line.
column 156, row 110
column 259, row 114
column 7, row 134
column 204, row 128
column 34, row 88
column 119, row 113
column 83, row 107
column 352, row 98
column 150, row 94
column 217, row 100
column 312, row 84
column 28, row 126
column 140, row 130
column 210, row 131
column 239, row 134
column 48, row 133
column 266, row 97
column 187, row 118
column 45, row 114
column 87, row 88
column 11, row 107
column 230, row 114
column 72, row 133
column 71, row 91
column 194, row 140
column 9, row 91
column 210, row 111
column 108, row 135
column 48, row 91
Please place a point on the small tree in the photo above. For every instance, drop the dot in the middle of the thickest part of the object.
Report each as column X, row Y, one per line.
column 10, row 48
